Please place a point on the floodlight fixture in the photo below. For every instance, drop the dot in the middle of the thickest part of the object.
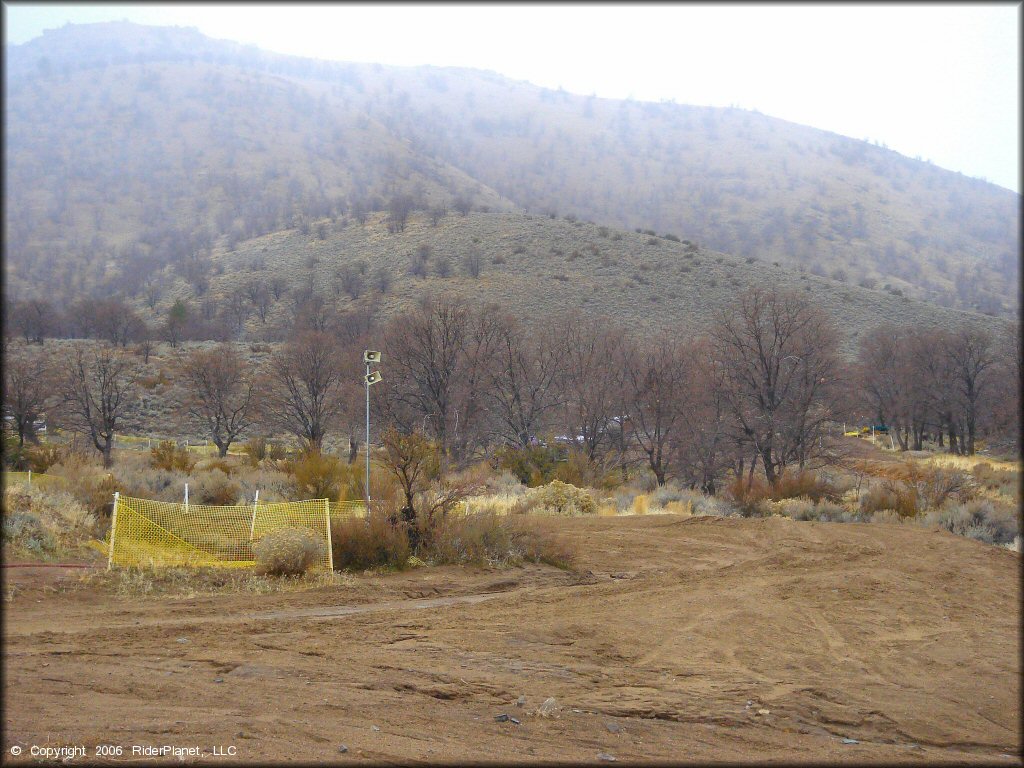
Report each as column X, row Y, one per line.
column 371, row 356
column 373, row 378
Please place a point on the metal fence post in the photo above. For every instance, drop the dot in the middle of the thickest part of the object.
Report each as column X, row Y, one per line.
column 252, row 526
column 330, row 544
column 113, row 530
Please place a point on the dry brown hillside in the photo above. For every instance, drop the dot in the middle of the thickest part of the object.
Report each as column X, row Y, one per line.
column 130, row 148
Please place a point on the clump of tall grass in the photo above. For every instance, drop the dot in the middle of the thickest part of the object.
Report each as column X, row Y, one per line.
column 376, row 541
column 557, row 498
column 44, row 522
column 502, row 541
column 287, row 552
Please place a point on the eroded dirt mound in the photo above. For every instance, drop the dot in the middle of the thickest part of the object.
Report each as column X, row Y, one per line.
column 677, row 639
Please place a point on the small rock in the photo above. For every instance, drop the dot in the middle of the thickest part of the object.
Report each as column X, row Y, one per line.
column 613, row 727
column 513, row 720
column 521, row 701
column 606, row 756
column 764, row 711
column 502, row 718
column 343, row 749
column 218, row 679
column 374, row 727
column 850, row 741
column 181, row 640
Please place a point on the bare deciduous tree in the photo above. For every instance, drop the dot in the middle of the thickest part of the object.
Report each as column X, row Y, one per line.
column 522, row 387
column 27, row 390
column 778, row 353
column 305, row 392
column 971, row 355
column 218, row 394
column 425, row 350
column 33, row 319
column 96, row 388
column 658, row 398
column 592, row 383
column 115, row 321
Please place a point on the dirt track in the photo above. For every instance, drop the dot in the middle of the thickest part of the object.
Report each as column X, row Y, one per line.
column 902, row 639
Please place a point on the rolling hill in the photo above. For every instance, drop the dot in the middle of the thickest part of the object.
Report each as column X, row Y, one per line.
column 141, row 156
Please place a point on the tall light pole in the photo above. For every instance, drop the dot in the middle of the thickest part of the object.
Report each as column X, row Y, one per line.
column 369, row 356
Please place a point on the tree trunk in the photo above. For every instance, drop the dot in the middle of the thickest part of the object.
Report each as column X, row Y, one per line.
column 108, row 448
column 769, row 467
column 659, row 474
column 222, row 447
column 750, row 476
column 353, row 449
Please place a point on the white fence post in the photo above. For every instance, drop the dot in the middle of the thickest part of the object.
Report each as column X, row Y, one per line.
column 113, row 530
column 330, row 545
column 252, row 526
column 186, row 498
column 30, row 477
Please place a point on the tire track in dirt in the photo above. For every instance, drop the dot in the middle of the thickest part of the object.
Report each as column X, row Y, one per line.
column 318, row 613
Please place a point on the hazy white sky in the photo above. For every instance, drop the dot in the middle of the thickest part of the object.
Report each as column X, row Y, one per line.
column 937, row 81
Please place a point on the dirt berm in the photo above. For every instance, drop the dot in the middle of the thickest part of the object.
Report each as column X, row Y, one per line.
column 681, row 639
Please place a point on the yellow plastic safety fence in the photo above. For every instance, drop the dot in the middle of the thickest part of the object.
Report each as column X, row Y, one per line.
column 342, row 509
column 33, row 478
column 160, row 533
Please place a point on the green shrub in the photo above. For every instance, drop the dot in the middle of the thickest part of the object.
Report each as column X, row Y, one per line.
column 144, row 482
column 371, row 542
column 40, row 458
column 225, row 466
column 215, row 487
column 827, row 512
column 502, row 541
column 935, row 484
column 798, row 509
column 168, row 456
column 577, row 469
column 1002, row 481
column 750, row 498
column 666, row 494
column 558, row 498
column 24, row 531
column 532, row 466
column 259, row 448
column 42, row 522
column 980, row 519
column 795, row 484
column 319, row 476
column 256, row 450
column 88, row 483
column 892, row 495
column 287, row 552
column 624, row 501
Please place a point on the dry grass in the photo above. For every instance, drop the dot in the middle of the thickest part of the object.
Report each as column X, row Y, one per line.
column 46, row 524
column 496, row 540
column 193, row 582
column 557, row 498
column 287, row 552
column 370, row 542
